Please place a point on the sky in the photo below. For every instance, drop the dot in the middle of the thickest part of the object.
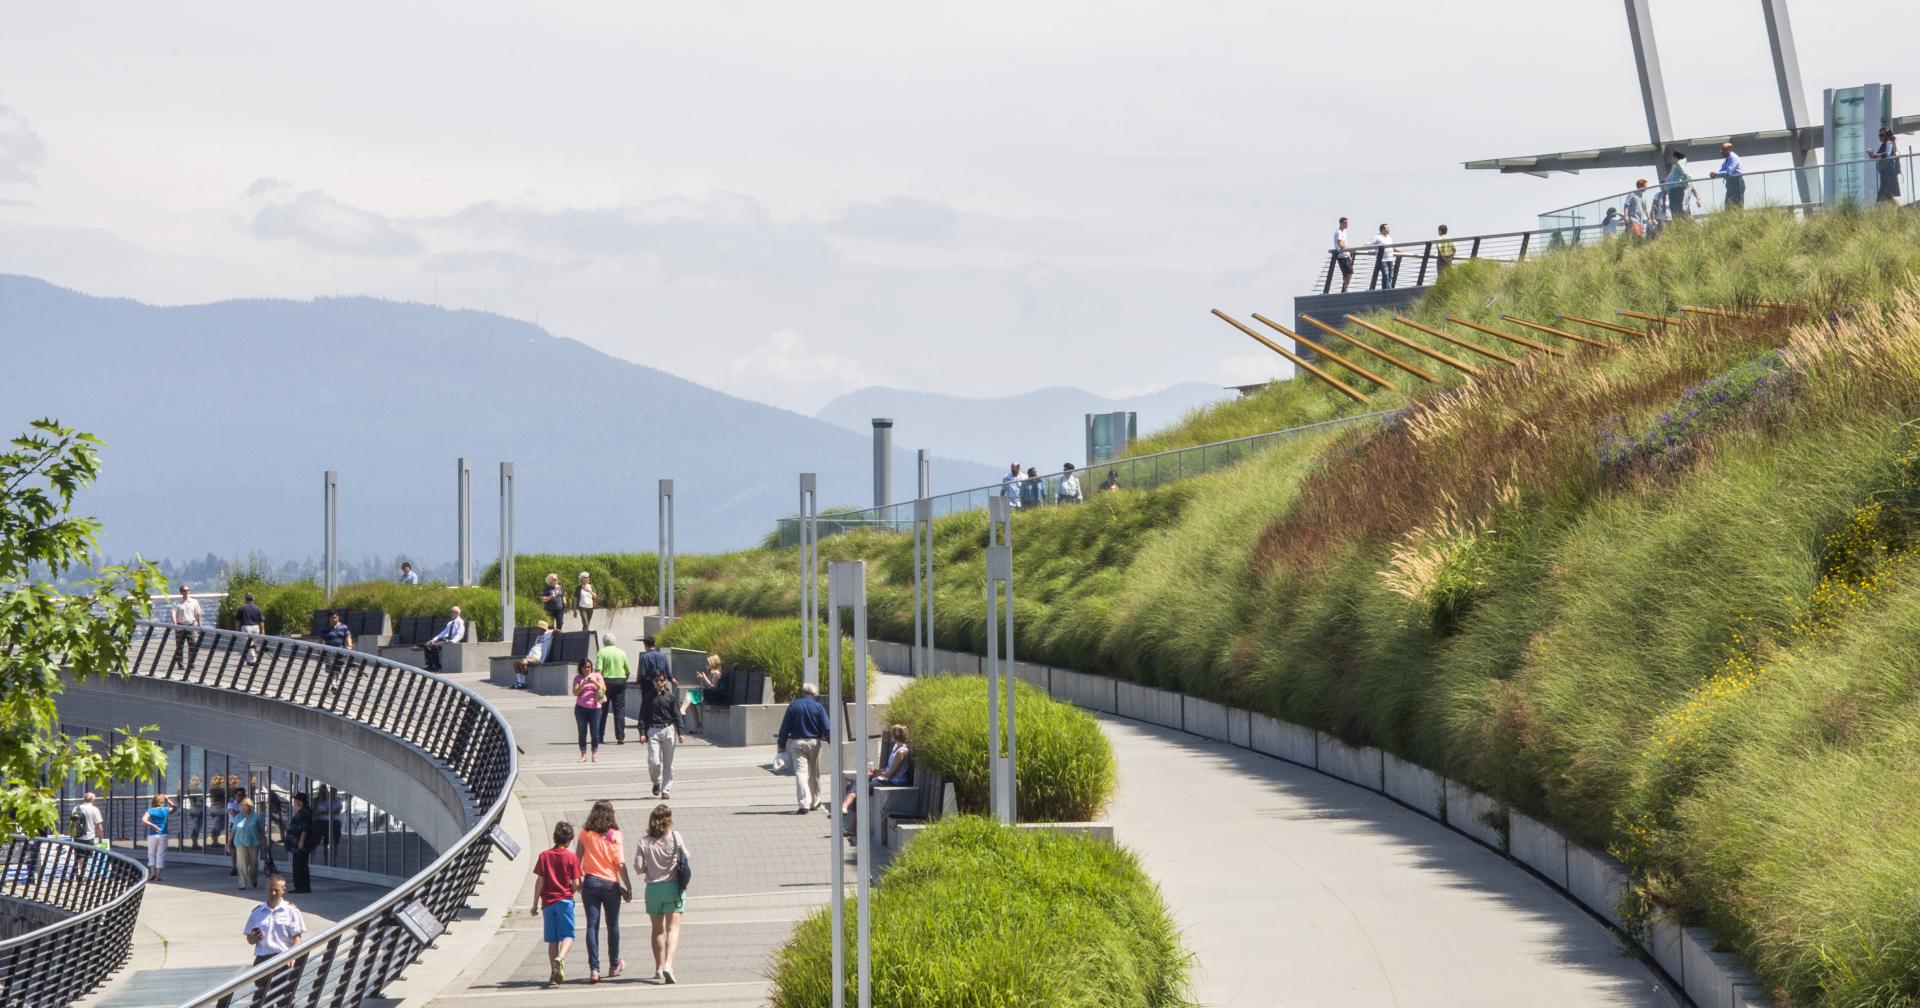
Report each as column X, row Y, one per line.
column 788, row 202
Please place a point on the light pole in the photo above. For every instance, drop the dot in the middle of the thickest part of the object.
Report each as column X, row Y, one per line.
column 330, row 578
column 847, row 589
column 809, row 578
column 666, row 550
column 506, row 550
column 1000, row 748
column 463, row 477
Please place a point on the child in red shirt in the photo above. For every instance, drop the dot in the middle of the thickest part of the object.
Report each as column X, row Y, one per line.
column 558, row 872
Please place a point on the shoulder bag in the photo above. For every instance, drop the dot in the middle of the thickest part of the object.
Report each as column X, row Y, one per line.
column 682, row 868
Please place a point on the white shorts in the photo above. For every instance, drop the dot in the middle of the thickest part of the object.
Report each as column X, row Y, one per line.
column 157, row 851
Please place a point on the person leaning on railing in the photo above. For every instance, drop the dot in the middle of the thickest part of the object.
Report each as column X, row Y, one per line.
column 1444, row 251
column 1888, row 163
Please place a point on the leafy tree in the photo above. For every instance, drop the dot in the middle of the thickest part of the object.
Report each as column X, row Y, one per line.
column 84, row 630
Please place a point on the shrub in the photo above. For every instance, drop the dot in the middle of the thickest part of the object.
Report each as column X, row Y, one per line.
column 974, row 914
column 772, row 646
column 619, row 579
column 289, row 608
column 698, row 631
column 479, row 605
column 1065, row 765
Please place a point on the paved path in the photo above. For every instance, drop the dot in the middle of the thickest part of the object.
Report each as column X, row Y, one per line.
column 1293, row 888
column 188, row 936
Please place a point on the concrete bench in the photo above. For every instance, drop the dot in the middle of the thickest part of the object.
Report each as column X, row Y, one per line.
column 369, row 627
column 412, row 632
column 552, row 676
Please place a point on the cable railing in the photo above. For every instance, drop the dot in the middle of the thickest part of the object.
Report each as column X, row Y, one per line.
column 357, row 957
column 1802, row 190
column 1420, row 263
column 95, row 896
column 1137, row 472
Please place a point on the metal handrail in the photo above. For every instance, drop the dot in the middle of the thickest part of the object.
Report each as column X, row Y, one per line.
column 1655, row 185
column 357, row 957
column 101, row 888
column 899, row 517
column 1423, row 256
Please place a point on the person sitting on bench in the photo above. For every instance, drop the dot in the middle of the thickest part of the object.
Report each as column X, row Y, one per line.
column 536, row 654
column 896, row 773
column 454, row 632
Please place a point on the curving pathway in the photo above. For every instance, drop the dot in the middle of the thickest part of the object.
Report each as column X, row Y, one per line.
column 1294, row 888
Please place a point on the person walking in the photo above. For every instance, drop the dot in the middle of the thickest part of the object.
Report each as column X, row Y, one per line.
column 301, row 838
column 557, row 872
column 187, row 621
column 536, row 653
column 589, row 691
column 612, row 663
column 1343, row 255
column 660, row 720
column 155, row 821
column 1662, row 213
column 1444, row 251
column 249, row 837
column 1736, row 178
column 695, row 697
column 802, row 728
column 653, row 662
column 554, row 600
column 1886, row 159
column 659, row 856
column 253, row 622
column 1030, row 492
column 604, row 885
column 453, row 633
column 275, row 926
column 89, row 827
column 337, row 636
column 329, row 812
column 583, row 600
column 234, row 796
column 1610, row 224
column 1069, row 485
column 1008, row 484
column 407, row 576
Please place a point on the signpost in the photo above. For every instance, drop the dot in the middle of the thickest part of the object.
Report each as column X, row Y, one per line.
column 847, row 589
column 463, row 477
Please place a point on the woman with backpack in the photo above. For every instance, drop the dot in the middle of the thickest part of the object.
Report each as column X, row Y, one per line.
column 604, row 885
column 661, row 857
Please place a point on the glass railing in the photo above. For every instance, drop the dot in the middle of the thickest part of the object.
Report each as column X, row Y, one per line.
column 1799, row 189
column 1044, row 490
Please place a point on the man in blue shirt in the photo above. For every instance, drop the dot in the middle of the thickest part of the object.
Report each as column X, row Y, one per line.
column 337, row 636
column 802, row 730
column 407, row 576
column 1007, row 487
column 1730, row 170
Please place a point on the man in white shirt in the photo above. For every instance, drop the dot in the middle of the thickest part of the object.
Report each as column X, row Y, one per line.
column 1343, row 255
column 453, row 633
column 1069, row 485
column 1385, row 264
column 187, row 621
column 91, row 831
column 276, row 926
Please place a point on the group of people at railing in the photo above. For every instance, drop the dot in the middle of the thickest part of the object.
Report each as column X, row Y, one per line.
column 1387, row 256
column 1032, row 490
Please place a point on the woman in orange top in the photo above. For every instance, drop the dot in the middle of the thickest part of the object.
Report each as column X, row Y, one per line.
column 603, row 862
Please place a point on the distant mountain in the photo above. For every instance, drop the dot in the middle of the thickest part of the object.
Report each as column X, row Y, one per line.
column 1043, row 428
column 221, row 418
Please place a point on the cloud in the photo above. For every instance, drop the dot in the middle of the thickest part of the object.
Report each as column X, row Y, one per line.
column 904, row 218
column 783, row 368
column 22, row 152
column 312, row 218
column 725, row 235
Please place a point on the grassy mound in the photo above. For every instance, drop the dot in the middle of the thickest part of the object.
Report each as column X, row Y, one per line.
column 1660, row 595
column 975, row 915
column 1066, row 766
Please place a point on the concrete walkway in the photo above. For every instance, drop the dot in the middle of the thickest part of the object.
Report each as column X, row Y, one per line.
column 188, row 940
column 1294, row 888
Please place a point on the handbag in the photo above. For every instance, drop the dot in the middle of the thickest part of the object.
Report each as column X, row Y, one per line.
column 682, row 868
column 782, row 762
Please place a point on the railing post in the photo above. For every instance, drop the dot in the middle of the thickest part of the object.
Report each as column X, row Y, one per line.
column 1474, row 252
column 1333, row 263
column 1426, row 252
column 1524, row 239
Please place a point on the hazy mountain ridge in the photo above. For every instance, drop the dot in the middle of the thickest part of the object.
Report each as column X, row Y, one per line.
column 1042, row 428
column 220, row 419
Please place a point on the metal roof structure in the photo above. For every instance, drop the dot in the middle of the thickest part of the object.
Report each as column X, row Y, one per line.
column 1750, row 144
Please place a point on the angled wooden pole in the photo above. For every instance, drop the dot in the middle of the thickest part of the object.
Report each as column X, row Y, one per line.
column 1775, row 304
column 1457, row 365
column 1715, row 312
column 1608, row 326
column 1419, row 373
column 1299, row 361
column 1665, row 320
column 1509, row 337
column 1551, row 331
column 1456, row 341
column 1322, row 351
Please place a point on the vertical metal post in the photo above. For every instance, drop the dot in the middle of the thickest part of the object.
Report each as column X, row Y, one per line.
column 922, row 661
column 666, row 549
column 1000, row 677
column 847, row 589
column 506, row 550
column 1653, row 86
column 809, row 578
column 464, row 478
column 330, row 578
column 1793, row 100
column 882, row 462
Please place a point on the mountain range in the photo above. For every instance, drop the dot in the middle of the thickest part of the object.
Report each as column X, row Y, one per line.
column 221, row 418
column 1043, row 428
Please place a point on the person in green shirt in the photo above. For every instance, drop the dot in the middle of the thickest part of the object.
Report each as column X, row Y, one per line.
column 1445, row 250
column 612, row 663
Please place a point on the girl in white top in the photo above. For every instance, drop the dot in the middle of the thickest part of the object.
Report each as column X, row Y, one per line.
column 656, row 857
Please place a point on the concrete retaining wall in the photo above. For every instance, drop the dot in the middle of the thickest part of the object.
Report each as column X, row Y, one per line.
column 1203, row 718
column 455, row 659
column 1598, row 882
column 1475, row 814
column 1144, row 703
column 1284, row 740
column 1239, row 728
column 1415, row 786
column 1538, row 846
column 1350, row 764
column 1034, row 675
column 1088, row 692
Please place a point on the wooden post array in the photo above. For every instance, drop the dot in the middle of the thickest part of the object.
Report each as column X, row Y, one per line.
column 1322, row 351
column 1383, row 355
column 1456, row 341
column 1457, row 365
column 1509, row 337
column 1301, row 362
column 1609, row 326
column 1551, row 331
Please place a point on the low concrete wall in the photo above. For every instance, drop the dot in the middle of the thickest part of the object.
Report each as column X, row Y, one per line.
column 1663, row 943
column 1475, row 814
column 1598, row 882
column 1144, row 703
column 1538, row 846
column 744, row 724
column 1284, row 740
column 545, row 679
column 1088, row 692
column 1239, row 728
column 455, row 659
column 1415, row 786
column 357, row 759
column 1033, row 675
column 1203, row 718
column 1354, row 765
column 17, row 917
column 955, row 663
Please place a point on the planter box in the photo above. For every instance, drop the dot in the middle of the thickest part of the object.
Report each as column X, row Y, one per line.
column 1088, row 692
column 1144, row 703
column 1283, row 740
column 1239, row 728
column 1598, row 882
column 1468, row 811
column 1538, row 846
column 1204, row 718
column 1713, row 978
column 1356, row 766
column 1663, row 943
column 1415, row 786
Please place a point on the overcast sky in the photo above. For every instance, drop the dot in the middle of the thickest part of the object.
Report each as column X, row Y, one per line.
column 790, row 201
